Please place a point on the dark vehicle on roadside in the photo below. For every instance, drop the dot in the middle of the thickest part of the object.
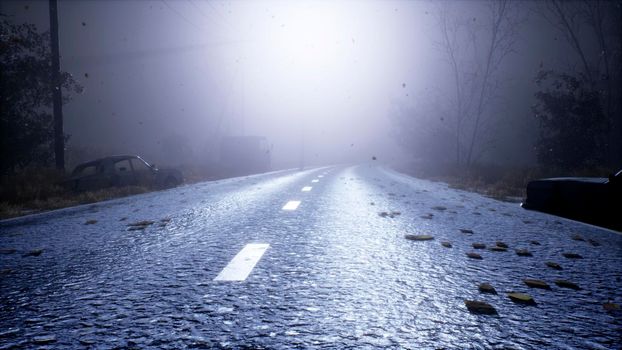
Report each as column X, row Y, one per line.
column 119, row 171
column 593, row 200
column 243, row 155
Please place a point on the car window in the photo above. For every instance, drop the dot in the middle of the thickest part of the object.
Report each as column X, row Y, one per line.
column 122, row 166
column 139, row 165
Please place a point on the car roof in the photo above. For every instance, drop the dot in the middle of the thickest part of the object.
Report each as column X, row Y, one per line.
column 112, row 158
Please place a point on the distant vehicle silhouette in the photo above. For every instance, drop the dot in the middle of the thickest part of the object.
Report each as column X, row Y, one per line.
column 121, row 170
column 242, row 155
column 595, row 200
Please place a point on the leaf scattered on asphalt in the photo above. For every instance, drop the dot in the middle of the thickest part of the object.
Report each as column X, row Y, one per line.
column 577, row 237
column 487, row 288
column 439, row 208
column 479, row 246
column 534, row 242
column 34, row 252
column 594, row 243
column 90, row 222
column 572, row 256
column 501, row 244
column 567, row 284
column 427, row 216
column 533, row 283
column 44, row 339
column 521, row 298
column 466, row 230
column 123, row 218
column 480, row 307
column 139, row 225
column 523, row 252
column 611, row 306
column 446, row 244
column 553, row 265
column 474, row 256
column 418, row 237
column 498, row 249
column 7, row 251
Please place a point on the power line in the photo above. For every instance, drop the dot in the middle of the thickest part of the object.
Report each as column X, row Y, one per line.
column 181, row 15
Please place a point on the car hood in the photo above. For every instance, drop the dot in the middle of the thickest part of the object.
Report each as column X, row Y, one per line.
column 597, row 180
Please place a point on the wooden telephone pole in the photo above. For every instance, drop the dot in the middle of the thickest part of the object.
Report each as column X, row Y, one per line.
column 59, row 137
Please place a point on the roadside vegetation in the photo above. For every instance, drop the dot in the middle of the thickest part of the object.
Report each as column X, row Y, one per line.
column 499, row 182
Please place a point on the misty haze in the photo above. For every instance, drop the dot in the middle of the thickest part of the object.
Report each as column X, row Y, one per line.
column 310, row 174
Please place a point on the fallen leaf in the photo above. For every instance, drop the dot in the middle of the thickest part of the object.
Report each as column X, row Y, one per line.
column 523, row 252
column 567, row 284
column 465, row 230
column 474, row 256
column 498, row 249
column 479, row 246
column 35, row 252
column 487, row 288
column 611, row 306
column 90, row 222
column 446, row 244
column 577, row 237
column 532, row 283
column 418, row 237
column 480, row 307
column 572, row 256
column 501, row 244
column 553, row 265
column 521, row 298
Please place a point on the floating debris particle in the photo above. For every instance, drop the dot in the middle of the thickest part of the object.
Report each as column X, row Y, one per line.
column 534, row 242
column 611, row 306
column 7, row 251
column 521, row 298
column 418, row 237
column 34, row 252
column 567, row 284
column 474, row 256
column 466, row 230
column 486, row 288
column 527, row 221
column 427, row 216
column 439, row 208
column 372, row 203
column 553, row 265
column 396, row 213
column 123, row 218
column 479, row 246
column 533, row 283
column 90, row 222
column 446, row 244
column 480, row 307
column 523, row 252
column 572, row 256
column 383, row 214
column 577, row 237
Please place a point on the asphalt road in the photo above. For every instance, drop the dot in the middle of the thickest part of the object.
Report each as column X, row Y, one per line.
column 239, row 263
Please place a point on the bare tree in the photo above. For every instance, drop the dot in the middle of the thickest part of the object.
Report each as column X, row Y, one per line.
column 592, row 28
column 475, row 71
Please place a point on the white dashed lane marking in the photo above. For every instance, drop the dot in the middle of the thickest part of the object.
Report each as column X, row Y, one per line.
column 243, row 263
column 306, row 189
column 291, row 205
column 316, row 180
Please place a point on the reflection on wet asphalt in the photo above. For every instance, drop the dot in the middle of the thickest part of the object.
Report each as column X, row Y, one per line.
column 336, row 273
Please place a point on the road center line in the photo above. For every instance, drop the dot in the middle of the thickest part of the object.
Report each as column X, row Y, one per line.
column 243, row 263
column 291, row 205
column 306, row 189
column 315, row 180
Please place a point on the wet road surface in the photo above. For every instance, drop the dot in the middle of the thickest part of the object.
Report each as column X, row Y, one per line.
column 311, row 259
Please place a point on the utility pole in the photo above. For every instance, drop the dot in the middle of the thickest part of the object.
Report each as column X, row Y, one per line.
column 57, row 99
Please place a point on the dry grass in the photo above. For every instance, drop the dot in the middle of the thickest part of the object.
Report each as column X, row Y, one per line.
column 498, row 182
column 36, row 190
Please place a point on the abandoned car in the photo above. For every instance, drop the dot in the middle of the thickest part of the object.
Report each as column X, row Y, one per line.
column 119, row 171
column 593, row 200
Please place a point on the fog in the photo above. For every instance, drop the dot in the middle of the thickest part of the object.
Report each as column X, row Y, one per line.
column 169, row 79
